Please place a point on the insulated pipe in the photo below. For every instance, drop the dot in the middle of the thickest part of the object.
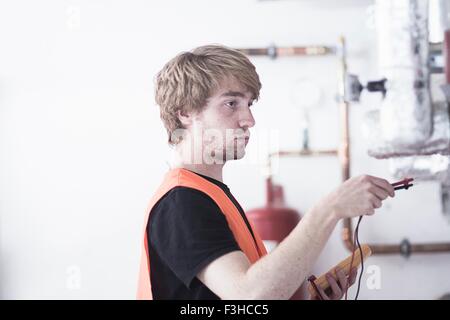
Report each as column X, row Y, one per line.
column 446, row 53
column 403, row 55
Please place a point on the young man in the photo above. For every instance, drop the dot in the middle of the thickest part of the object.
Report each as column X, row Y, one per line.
column 198, row 243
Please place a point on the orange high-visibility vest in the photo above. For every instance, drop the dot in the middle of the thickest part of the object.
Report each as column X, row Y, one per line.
column 253, row 248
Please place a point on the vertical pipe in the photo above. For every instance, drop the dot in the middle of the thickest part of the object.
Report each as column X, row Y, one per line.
column 344, row 148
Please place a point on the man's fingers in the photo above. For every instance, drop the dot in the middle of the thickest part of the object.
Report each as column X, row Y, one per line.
column 384, row 184
column 376, row 203
column 369, row 211
column 379, row 192
column 337, row 291
column 322, row 293
column 353, row 275
column 343, row 280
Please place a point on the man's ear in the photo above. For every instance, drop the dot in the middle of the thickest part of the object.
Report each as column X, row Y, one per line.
column 184, row 117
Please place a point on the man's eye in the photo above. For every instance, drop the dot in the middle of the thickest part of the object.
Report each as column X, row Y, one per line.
column 231, row 104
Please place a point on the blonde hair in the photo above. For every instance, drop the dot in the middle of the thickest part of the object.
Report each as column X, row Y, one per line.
column 188, row 80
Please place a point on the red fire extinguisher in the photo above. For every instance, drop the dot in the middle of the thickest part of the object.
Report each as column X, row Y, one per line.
column 275, row 221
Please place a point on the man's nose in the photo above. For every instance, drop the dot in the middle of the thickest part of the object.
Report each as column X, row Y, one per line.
column 246, row 118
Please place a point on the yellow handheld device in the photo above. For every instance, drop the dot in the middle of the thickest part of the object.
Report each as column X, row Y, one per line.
column 344, row 265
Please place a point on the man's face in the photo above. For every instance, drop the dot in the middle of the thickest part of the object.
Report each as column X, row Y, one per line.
column 224, row 123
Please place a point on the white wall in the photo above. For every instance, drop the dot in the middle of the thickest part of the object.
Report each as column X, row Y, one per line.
column 82, row 146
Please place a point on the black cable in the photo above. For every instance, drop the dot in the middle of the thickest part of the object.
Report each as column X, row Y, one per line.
column 397, row 186
column 362, row 258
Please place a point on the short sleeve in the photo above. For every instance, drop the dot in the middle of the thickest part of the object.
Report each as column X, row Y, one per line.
column 188, row 231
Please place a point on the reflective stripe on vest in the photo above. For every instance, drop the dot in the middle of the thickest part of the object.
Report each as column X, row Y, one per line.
column 185, row 178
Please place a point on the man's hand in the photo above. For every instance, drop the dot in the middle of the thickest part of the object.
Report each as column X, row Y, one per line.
column 337, row 290
column 358, row 196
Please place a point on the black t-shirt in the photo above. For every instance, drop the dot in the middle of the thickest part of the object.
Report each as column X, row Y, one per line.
column 186, row 231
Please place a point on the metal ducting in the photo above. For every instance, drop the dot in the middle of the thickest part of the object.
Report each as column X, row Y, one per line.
column 405, row 113
column 437, row 143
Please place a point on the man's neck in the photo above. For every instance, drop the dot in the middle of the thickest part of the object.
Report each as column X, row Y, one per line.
column 211, row 170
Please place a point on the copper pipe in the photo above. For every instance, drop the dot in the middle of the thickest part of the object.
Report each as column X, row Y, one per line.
column 274, row 52
column 413, row 248
column 304, row 153
column 344, row 148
